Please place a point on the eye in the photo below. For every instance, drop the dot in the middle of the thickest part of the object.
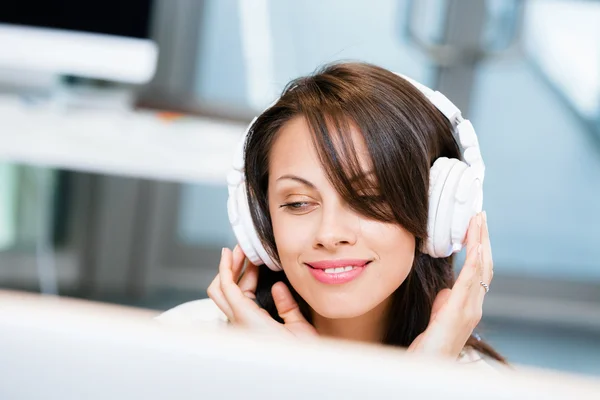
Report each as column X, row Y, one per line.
column 298, row 207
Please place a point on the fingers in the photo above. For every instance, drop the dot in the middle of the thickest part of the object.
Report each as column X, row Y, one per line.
column 474, row 232
column 230, row 267
column 474, row 264
column 287, row 308
column 488, row 262
column 235, row 295
column 224, row 289
column 482, row 266
column 216, row 294
column 476, row 237
column 471, row 272
column 467, row 283
column 467, row 293
column 229, row 271
column 455, row 313
column 238, row 263
column 249, row 281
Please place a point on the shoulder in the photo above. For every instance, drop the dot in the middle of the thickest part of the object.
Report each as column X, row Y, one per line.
column 197, row 312
column 205, row 312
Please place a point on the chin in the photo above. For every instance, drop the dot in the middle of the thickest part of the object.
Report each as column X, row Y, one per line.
column 335, row 309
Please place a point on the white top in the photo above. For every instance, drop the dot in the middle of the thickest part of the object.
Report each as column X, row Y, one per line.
column 206, row 314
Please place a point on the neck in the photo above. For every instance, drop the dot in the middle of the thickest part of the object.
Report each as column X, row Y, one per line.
column 369, row 327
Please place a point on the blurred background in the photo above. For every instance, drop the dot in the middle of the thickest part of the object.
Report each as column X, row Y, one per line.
column 118, row 122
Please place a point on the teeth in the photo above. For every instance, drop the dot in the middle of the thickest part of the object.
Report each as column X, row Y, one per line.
column 339, row 269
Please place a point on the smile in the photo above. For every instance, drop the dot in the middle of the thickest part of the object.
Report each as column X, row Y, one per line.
column 334, row 272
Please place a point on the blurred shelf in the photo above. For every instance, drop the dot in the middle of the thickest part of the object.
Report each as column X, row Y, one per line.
column 140, row 144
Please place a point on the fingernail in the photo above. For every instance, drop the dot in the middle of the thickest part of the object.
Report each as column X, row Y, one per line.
column 479, row 220
column 222, row 251
column 485, row 217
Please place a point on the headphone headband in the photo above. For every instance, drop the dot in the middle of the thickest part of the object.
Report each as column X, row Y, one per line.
column 462, row 128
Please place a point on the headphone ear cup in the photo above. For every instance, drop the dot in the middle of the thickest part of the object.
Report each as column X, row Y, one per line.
column 447, row 177
column 244, row 230
column 443, row 243
column 468, row 202
column 437, row 176
column 237, row 215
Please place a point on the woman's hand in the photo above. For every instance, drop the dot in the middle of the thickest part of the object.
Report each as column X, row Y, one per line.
column 237, row 299
column 455, row 313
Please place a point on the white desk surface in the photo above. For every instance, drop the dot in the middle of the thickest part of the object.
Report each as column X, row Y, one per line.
column 138, row 144
column 106, row 351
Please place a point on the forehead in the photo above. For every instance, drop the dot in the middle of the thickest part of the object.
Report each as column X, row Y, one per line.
column 294, row 148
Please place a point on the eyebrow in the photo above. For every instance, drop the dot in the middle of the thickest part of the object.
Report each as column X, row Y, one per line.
column 297, row 179
column 311, row 185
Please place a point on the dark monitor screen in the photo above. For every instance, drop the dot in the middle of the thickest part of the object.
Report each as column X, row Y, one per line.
column 114, row 17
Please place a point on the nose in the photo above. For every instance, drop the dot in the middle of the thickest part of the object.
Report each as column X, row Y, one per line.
column 338, row 226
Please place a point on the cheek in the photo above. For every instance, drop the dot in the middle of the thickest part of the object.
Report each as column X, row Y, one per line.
column 394, row 247
column 290, row 237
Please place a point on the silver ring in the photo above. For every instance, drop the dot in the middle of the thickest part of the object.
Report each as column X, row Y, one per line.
column 485, row 286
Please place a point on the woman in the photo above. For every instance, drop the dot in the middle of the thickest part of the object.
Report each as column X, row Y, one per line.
column 338, row 186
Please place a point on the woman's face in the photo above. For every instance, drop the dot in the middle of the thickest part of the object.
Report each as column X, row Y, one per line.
column 341, row 263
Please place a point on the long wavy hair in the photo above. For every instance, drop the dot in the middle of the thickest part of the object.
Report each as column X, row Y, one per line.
column 404, row 134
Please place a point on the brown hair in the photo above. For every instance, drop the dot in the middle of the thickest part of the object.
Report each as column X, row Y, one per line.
column 404, row 134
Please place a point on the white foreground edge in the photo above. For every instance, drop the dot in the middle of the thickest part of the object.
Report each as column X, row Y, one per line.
column 71, row 349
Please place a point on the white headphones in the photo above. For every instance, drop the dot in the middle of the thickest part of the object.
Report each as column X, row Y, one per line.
column 455, row 191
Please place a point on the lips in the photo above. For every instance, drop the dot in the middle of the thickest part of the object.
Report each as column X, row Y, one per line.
column 326, row 264
column 337, row 271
